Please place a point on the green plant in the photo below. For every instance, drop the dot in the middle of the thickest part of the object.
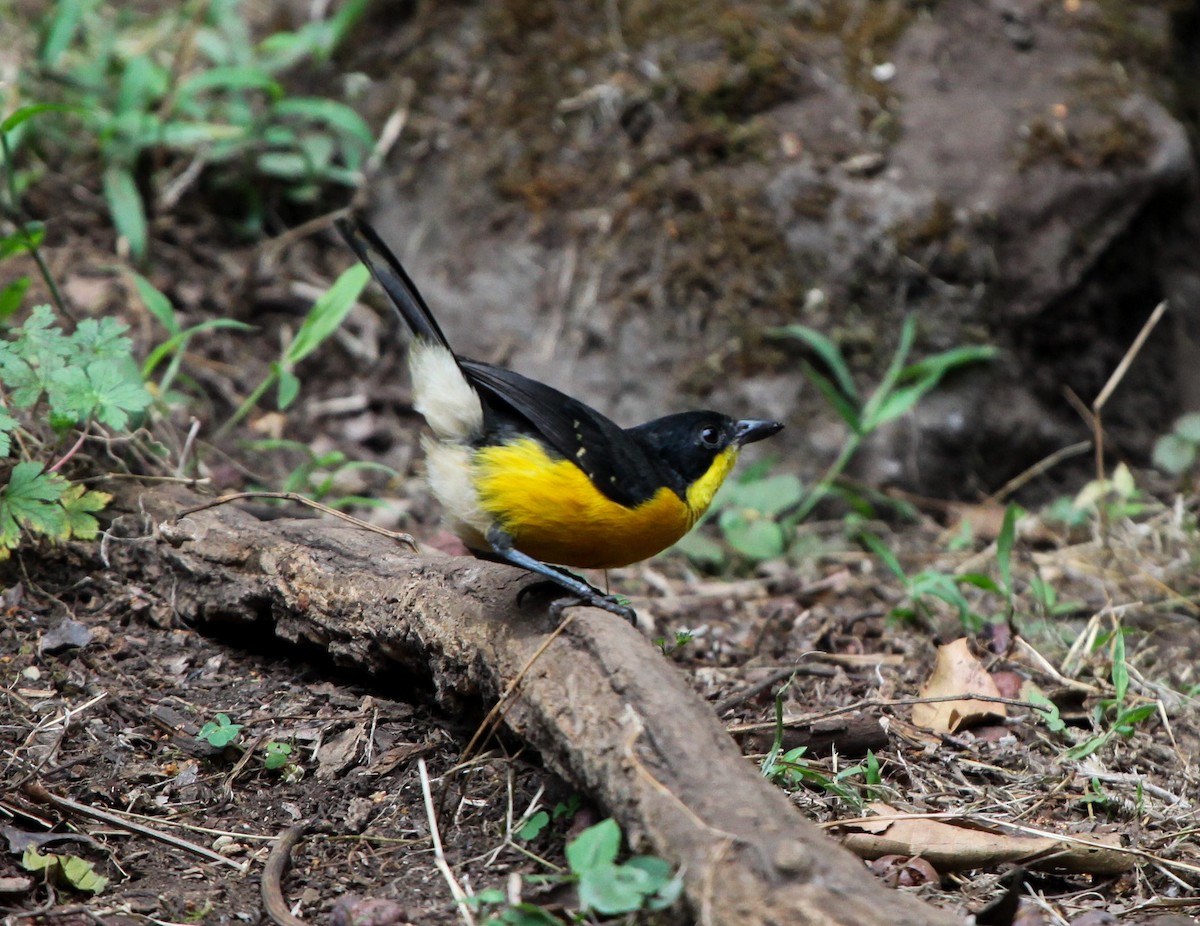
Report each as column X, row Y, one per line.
column 610, row 889
column 1112, row 717
column 184, row 93
column 69, row 870
column 55, row 385
column 317, row 475
column 902, row 386
column 757, row 513
column 26, row 236
column 178, row 337
column 1046, row 597
column 220, row 732
column 321, row 321
column 1111, row 499
column 682, row 639
column 537, row 822
column 1175, row 453
column 790, row 770
column 933, row 584
column 276, row 756
column 1047, row 711
column 605, row 887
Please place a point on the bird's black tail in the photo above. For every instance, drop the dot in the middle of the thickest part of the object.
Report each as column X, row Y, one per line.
column 387, row 270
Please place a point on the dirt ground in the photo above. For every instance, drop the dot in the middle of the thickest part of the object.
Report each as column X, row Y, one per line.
column 106, row 693
column 106, row 696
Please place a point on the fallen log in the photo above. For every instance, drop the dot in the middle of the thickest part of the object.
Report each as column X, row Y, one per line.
column 601, row 705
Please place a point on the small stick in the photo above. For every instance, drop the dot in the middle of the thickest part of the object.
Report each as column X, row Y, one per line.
column 36, row 791
column 271, row 886
column 1115, row 380
column 496, row 714
column 741, row 697
column 300, row 499
column 1023, row 478
column 439, row 856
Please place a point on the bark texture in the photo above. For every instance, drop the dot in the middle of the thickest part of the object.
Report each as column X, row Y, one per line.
column 600, row 704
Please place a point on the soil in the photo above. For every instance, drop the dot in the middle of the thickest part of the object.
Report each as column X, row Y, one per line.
column 106, row 693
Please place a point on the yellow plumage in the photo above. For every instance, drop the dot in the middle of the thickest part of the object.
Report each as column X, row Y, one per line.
column 554, row 513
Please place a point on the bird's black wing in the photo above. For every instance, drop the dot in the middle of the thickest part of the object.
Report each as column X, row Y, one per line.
column 617, row 464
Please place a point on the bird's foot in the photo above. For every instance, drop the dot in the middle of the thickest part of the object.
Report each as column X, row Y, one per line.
column 605, row 602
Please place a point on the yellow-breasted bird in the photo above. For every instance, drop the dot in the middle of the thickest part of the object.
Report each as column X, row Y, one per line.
column 532, row 477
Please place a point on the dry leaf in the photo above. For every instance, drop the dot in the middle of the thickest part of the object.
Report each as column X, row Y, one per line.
column 957, row 845
column 957, row 672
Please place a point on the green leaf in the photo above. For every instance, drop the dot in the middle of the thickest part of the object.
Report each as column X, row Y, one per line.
column 1004, row 548
column 179, row 340
column 286, row 165
column 8, row 424
column 883, row 392
column 1120, row 668
column 327, row 314
column 277, row 756
column 1188, row 427
column 25, row 238
column 534, row 826
column 27, row 486
column 667, row 890
column 219, row 733
column 289, row 386
column 1086, row 748
column 348, row 123
column 11, row 297
column 756, row 538
column 885, row 554
column 611, row 889
column 1174, row 454
column 829, row 353
column 142, row 84
column 895, row 404
column 156, row 303
column 230, row 79
column 125, row 204
column 597, row 845
column 768, row 496
column 1047, row 710
column 700, row 548
column 78, row 505
column 17, row 117
column 61, row 33
column 101, row 339
column 101, row 391
column 938, row 365
column 41, row 337
column 848, row 410
column 190, row 136
column 1127, row 720
column 65, row 869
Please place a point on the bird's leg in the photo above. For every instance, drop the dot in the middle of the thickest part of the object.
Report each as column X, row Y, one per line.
column 581, row 592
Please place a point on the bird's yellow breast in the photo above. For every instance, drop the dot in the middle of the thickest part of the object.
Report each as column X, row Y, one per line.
column 555, row 514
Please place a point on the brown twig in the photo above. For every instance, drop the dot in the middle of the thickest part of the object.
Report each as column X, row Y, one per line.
column 879, row 703
column 751, row 691
column 271, row 886
column 36, row 791
column 1115, row 380
column 300, row 499
column 1028, row 475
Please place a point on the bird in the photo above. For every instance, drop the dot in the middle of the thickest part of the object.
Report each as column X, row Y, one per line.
column 529, row 476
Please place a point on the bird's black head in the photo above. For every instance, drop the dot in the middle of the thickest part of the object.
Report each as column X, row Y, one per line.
column 687, row 444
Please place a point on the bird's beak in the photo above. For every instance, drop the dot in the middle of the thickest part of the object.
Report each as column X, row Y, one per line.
column 751, row 429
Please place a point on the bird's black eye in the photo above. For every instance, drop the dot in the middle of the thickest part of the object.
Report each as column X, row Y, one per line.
column 710, row 437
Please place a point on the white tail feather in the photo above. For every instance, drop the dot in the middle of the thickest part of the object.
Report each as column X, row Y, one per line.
column 442, row 395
